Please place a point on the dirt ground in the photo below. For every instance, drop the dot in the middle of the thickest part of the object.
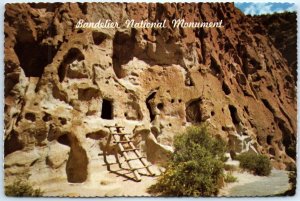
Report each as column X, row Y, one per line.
column 103, row 183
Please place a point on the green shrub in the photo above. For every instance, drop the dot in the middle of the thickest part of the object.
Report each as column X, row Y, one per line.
column 229, row 178
column 256, row 163
column 22, row 189
column 196, row 166
column 292, row 180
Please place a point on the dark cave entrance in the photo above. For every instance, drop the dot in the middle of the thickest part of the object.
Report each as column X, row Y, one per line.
column 72, row 55
column 149, row 99
column 226, row 88
column 98, row 37
column 123, row 50
column 34, row 57
column 234, row 116
column 107, row 109
column 193, row 111
column 64, row 139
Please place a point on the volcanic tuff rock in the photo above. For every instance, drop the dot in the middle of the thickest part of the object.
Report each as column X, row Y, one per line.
column 282, row 29
column 63, row 85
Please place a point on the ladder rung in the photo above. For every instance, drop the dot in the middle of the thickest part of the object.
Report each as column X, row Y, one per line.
column 131, row 159
column 127, row 150
column 123, row 141
column 141, row 167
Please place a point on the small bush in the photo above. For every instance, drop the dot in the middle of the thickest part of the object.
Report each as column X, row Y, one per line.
column 292, row 180
column 196, row 166
column 256, row 163
column 22, row 189
column 229, row 178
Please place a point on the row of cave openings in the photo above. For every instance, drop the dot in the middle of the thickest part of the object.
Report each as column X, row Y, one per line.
column 34, row 56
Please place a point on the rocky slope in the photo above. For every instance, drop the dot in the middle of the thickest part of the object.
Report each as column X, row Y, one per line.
column 64, row 85
column 282, row 29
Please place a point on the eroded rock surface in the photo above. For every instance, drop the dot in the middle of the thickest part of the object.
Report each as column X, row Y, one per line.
column 282, row 29
column 64, row 85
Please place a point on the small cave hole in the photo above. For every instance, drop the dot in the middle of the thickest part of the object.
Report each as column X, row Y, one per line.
column 47, row 117
column 64, row 139
column 160, row 106
column 62, row 120
column 212, row 113
column 272, row 151
column 145, row 37
column 12, row 143
column 107, row 109
column 233, row 113
column 246, row 110
column 83, row 7
column 269, row 139
column 215, row 67
column 268, row 105
column 98, row 37
column 226, row 88
column 270, row 88
column 149, row 101
column 30, row 116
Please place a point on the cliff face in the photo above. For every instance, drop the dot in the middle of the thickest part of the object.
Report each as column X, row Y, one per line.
column 282, row 29
column 63, row 85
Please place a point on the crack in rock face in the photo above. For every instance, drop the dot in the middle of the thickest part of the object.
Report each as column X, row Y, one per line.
column 64, row 85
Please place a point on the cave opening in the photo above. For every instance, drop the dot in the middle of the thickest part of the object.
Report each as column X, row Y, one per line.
column 64, row 139
column 233, row 113
column 193, row 111
column 226, row 88
column 268, row 105
column 288, row 139
column 149, row 100
column 107, row 109
column 98, row 37
column 12, row 143
column 123, row 46
column 269, row 139
column 34, row 57
column 215, row 67
column 72, row 55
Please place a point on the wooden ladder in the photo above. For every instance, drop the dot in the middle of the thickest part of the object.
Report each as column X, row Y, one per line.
column 121, row 138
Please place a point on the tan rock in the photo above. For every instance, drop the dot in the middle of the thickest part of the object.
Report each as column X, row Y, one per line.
column 58, row 154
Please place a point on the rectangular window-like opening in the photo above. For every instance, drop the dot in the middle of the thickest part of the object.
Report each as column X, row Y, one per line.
column 107, row 109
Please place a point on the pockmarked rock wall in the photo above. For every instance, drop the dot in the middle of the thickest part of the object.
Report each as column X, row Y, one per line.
column 282, row 29
column 64, row 85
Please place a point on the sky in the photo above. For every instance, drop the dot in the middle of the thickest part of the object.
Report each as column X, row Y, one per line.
column 265, row 8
